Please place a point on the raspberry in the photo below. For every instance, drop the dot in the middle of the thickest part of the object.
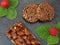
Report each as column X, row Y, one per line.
column 53, row 31
column 5, row 4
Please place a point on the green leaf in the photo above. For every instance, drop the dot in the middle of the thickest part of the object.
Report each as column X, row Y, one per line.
column 43, row 32
column 3, row 12
column 12, row 14
column 52, row 40
column 57, row 26
column 13, row 3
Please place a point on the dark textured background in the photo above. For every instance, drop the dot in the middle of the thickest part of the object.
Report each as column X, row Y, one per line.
column 5, row 23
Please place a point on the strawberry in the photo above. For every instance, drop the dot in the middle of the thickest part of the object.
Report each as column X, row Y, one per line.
column 5, row 3
column 53, row 31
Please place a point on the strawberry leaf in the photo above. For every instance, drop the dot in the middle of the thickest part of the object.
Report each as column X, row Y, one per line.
column 3, row 12
column 43, row 32
column 52, row 40
column 13, row 3
column 12, row 14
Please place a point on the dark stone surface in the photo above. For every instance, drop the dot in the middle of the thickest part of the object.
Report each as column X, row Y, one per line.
column 5, row 23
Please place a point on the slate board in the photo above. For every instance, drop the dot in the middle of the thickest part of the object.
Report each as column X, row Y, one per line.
column 5, row 23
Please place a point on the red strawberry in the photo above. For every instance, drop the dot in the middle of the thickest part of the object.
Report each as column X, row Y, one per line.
column 5, row 3
column 53, row 31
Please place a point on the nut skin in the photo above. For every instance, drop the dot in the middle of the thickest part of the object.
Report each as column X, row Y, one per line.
column 26, row 32
column 27, row 42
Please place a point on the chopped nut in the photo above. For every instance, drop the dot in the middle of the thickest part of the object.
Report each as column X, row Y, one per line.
column 21, row 36
column 26, row 32
column 15, row 28
column 32, row 42
column 20, row 33
column 27, row 42
column 24, row 37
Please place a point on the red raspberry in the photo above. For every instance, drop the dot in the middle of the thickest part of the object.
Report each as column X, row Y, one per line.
column 5, row 3
column 53, row 31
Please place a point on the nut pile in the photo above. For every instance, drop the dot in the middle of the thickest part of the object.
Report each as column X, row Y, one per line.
column 19, row 35
column 42, row 12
